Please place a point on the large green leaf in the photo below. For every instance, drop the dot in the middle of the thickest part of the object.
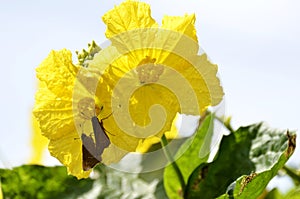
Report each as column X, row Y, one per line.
column 275, row 194
column 33, row 181
column 187, row 158
column 247, row 160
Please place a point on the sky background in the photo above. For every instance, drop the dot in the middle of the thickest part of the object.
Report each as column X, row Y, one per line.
column 255, row 43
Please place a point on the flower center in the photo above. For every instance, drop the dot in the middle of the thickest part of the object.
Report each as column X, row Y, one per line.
column 148, row 71
column 87, row 108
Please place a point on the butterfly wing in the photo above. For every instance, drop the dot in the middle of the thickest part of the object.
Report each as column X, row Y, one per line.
column 89, row 156
column 91, row 151
column 102, row 140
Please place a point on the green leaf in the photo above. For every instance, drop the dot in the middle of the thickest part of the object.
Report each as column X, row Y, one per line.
column 189, row 157
column 33, row 181
column 160, row 191
column 247, row 160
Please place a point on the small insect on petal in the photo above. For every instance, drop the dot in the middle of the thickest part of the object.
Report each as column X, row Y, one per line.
column 91, row 151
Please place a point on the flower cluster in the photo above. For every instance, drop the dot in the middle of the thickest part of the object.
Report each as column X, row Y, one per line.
column 135, row 86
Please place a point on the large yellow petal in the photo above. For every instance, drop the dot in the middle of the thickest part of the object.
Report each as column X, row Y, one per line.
column 143, row 102
column 194, row 82
column 53, row 106
column 208, row 71
column 58, row 72
column 54, row 109
column 144, row 145
column 148, row 111
column 127, row 16
column 54, row 114
column 184, row 25
column 176, row 38
column 68, row 150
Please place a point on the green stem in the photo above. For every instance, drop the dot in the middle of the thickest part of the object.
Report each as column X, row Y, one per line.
column 164, row 143
column 292, row 173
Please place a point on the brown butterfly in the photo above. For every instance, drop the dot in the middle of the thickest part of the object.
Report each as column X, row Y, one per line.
column 91, row 151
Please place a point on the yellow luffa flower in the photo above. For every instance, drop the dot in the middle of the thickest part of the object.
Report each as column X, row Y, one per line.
column 58, row 119
column 53, row 110
column 138, row 84
column 152, row 73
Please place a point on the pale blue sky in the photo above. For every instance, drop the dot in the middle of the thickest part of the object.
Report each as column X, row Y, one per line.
column 255, row 43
